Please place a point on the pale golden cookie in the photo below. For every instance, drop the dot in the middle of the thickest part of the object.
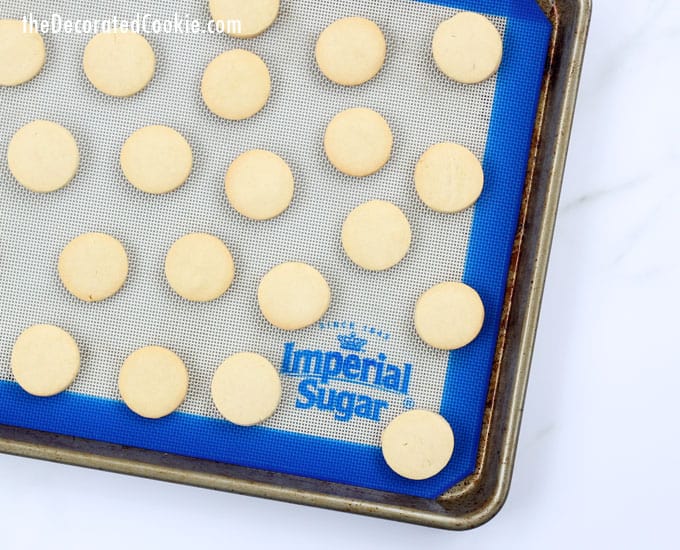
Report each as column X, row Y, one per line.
column 236, row 85
column 255, row 16
column 467, row 48
column 45, row 360
column 418, row 444
column 93, row 266
column 358, row 142
column 293, row 296
column 246, row 389
column 156, row 159
column 153, row 382
column 119, row 63
column 22, row 52
column 376, row 235
column 351, row 51
column 199, row 267
column 259, row 185
column 449, row 315
column 449, row 178
column 43, row 156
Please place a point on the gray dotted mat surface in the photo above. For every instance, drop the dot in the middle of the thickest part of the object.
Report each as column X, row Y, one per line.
column 422, row 107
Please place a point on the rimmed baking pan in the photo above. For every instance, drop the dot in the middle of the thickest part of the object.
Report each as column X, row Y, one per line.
column 481, row 391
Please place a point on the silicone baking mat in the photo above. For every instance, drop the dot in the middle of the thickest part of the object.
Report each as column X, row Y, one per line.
column 328, row 426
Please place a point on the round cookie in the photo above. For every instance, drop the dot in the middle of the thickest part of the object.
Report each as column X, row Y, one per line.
column 199, row 267
column 255, row 16
column 156, row 159
column 376, row 235
column 93, row 266
column 22, row 54
column 236, row 85
column 246, row 389
column 43, row 156
column 259, row 185
column 153, row 382
column 449, row 178
column 293, row 296
column 449, row 315
column 119, row 63
column 467, row 48
column 45, row 360
column 351, row 51
column 418, row 444
column 358, row 142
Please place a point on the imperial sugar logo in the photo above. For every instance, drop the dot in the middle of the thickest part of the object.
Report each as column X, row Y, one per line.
column 361, row 375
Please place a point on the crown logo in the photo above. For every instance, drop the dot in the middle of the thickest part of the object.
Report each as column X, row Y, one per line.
column 352, row 342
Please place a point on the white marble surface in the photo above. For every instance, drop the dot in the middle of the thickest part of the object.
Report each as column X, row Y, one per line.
column 599, row 453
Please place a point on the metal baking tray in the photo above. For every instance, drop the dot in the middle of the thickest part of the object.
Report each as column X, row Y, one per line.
column 479, row 497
